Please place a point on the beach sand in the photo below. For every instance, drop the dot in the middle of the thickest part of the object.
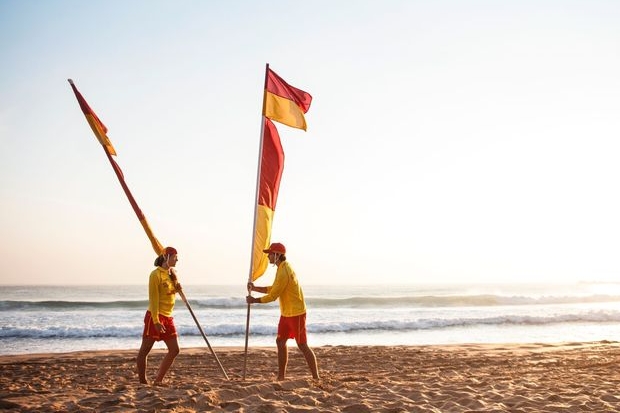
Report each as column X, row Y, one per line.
column 566, row 377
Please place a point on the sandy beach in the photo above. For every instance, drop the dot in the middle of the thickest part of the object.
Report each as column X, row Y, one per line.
column 567, row 377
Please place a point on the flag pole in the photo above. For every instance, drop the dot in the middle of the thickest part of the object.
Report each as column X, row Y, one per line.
column 156, row 245
column 154, row 241
column 258, row 172
column 182, row 294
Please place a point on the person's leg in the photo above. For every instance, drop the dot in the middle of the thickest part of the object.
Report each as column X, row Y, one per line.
column 145, row 348
column 310, row 359
column 173, row 350
column 282, row 358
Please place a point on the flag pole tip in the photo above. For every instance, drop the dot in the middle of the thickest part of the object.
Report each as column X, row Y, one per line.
column 70, row 81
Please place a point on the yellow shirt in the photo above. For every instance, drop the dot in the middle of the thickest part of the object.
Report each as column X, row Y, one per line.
column 161, row 293
column 287, row 289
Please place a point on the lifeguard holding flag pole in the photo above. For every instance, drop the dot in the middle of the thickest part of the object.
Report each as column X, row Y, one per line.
column 100, row 132
column 285, row 104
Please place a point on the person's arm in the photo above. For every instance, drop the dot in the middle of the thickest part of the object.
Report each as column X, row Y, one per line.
column 154, row 298
column 175, row 281
column 276, row 289
column 251, row 287
column 258, row 289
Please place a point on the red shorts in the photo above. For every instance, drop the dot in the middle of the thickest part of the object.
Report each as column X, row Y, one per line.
column 293, row 327
column 151, row 332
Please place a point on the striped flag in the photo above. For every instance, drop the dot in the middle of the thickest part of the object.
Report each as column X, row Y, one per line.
column 100, row 131
column 272, row 164
column 285, row 104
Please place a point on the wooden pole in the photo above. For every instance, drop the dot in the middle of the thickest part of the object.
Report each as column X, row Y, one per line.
column 258, row 171
column 182, row 294
column 154, row 242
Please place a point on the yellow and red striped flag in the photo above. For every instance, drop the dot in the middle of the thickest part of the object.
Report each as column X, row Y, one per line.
column 285, row 104
column 272, row 164
column 100, row 131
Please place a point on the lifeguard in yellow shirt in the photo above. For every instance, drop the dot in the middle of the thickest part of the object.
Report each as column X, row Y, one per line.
column 292, row 323
column 158, row 321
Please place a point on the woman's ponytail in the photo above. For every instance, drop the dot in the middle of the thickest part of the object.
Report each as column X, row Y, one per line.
column 159, row 261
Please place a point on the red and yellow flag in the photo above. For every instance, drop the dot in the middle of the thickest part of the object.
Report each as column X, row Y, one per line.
column 99, row 129
column 100, row 132
column 285, row 104
column 272, row 165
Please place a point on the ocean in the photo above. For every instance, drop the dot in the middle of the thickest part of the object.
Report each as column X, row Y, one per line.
column 43, row 319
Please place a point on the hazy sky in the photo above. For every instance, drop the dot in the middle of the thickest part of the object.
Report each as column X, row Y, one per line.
column 448, row 141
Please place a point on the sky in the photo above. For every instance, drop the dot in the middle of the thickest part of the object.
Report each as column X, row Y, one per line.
column 447, row 142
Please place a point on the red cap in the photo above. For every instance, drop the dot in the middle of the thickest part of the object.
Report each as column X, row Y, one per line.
column 276, row 247
column 169, row 251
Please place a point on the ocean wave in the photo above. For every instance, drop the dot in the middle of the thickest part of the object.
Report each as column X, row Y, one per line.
column 481, row 300
column 349, row 326
column 427, row 301
column 52, row 305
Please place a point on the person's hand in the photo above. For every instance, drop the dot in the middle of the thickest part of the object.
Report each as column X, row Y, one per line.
column 250, row 286
column 160, row 328
column 251, row 300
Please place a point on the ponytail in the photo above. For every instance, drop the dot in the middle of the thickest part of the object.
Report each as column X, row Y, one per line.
column 159, row 261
